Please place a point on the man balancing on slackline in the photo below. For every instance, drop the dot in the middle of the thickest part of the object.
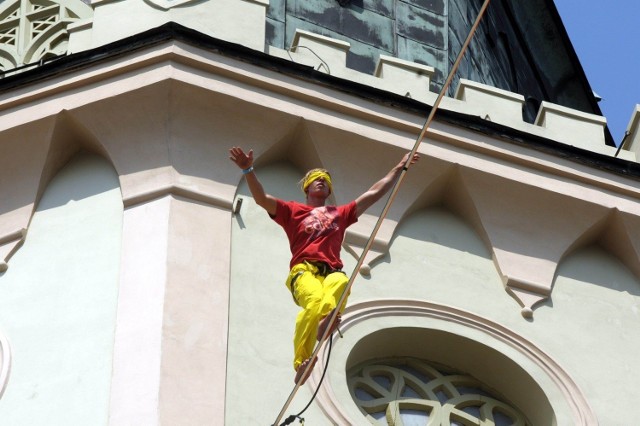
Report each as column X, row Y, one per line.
column 315, row 233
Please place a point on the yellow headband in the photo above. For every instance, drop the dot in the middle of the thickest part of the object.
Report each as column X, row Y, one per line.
column 316, row 175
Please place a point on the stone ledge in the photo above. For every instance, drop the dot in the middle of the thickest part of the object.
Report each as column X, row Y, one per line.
column 399, row 76
column 571, row 126
column 491, row 103
column 323, row 53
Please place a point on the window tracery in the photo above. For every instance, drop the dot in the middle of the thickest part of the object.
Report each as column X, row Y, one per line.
column 32, row 30
column 407, row 392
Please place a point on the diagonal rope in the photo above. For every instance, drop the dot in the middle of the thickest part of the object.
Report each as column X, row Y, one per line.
column 386, row 208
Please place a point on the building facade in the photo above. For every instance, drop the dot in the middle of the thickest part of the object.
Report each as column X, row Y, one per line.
column 140, row 284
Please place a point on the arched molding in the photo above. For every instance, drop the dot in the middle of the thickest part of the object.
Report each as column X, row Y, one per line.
column 391, row 314
column 26, row 148
column 441, row 184
column 8, row 59
column 529, row 226
column 68, row 137
column 616, row 234
column 50, row 145
column 5, row 362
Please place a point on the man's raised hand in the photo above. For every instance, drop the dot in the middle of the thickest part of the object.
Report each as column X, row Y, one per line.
column 242, row 160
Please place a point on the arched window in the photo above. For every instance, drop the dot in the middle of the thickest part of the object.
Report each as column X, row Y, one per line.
column 409, row 391
column 409, row 362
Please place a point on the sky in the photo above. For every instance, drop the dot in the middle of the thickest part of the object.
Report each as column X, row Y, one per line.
column 604, row 35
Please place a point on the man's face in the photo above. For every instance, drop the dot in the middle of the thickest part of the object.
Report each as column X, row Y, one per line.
column 319, row 187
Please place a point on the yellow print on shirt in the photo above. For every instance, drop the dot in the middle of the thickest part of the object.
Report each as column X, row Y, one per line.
column 320, row 221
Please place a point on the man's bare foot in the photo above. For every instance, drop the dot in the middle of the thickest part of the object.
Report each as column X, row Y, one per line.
column 301, row 371
column 324, row 323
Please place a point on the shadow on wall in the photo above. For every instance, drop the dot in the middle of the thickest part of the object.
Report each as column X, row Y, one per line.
column 70, row 190
column 439, row 226
column 593, row 265
column 278, row 179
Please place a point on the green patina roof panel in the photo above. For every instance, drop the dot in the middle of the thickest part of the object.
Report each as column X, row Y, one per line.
column 520, row 46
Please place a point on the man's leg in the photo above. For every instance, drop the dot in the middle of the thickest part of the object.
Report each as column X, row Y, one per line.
column 333, row 286
column 303, row 372
column 308, row 294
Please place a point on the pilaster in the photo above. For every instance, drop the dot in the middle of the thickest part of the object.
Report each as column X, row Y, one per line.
column 171, row 334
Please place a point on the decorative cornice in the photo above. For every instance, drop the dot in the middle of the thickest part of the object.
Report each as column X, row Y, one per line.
column 178, row 190
column 527, row 294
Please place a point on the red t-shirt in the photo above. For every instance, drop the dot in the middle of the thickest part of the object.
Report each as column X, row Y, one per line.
column 315, row 233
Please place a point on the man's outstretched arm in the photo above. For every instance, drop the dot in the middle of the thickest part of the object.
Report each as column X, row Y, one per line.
column 245, row 162
column 381, row 187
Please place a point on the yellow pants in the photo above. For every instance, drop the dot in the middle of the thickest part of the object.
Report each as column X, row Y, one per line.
column 317, row 295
